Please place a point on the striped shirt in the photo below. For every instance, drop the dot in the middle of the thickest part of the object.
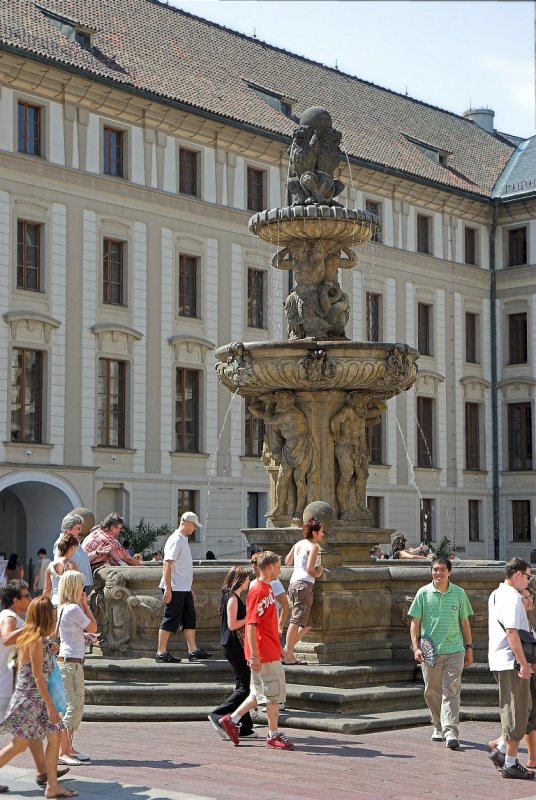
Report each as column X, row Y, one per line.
column 440, row 614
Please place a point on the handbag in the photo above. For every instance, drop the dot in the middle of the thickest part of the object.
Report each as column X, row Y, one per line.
column 56, row 689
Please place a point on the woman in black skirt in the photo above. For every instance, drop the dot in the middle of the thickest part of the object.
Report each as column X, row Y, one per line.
column 233, row 621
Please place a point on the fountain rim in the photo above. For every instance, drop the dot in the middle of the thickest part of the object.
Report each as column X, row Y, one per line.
column 309, row 222
column 317, row 344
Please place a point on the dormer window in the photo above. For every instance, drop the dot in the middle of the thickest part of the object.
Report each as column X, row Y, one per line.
column 277, row 101
column 71, row 29
column 431, row 151
column 83, row 38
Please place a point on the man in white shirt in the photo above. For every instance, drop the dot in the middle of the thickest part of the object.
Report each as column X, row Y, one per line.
column 176, row 585
column 40, row 571
column 506, row 616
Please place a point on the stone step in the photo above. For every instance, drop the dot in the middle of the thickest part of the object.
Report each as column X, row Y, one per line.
column 302, row 720
column 361, row 699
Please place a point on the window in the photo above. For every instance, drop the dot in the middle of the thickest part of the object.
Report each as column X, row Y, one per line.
column 517, row 247
column 256, row 298
column 517, row 338
column 470, row 239
column 188, row 266
column 427, row 527
column 471, row 337
column 374, row 435
column 424, row 333
column 521, row 520
column 83, row 38
column 257, row 508
column 28, row 255
column 188, row 172
column 113, row 152
column 255, row 189
column 26, row 395
column 187, row 410
column 519, row 436
column 374, row 505
column 254, row 433
column 425, row 430
column 29, row 129
column 474, row 520
column 188, row 500
column 112, row 271
column 111, row 414
column 424, row 239
column 374, row 317
column 373, row 207
column 472, row 436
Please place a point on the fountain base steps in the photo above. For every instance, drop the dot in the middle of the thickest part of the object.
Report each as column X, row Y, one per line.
column 348, row 698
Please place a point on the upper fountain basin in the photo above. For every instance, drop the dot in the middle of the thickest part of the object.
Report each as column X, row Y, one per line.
column 279, row 226
column 254, row 368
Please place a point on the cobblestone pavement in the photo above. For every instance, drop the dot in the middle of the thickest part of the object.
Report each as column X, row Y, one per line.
column 187, row 761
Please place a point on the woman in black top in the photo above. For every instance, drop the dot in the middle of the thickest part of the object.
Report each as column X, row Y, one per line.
column 233, row 622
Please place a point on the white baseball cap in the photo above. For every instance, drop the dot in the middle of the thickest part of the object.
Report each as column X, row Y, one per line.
column 189, row 516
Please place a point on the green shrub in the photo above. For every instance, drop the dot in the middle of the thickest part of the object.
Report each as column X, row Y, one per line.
column 144, row 534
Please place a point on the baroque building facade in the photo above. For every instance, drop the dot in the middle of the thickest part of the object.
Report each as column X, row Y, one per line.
column 135, row 143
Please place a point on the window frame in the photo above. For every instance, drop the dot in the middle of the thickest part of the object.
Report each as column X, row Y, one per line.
column 469, row 231
column 427, row 511
column 424, row 242
column 189, row 500
column 256, row 310
column 375, row 207
column 37, row 136
column 105, row 433
column 22, row 269
column 254, row 430
column 181, row 436
column 524, row 433
column 37, row 438
column 517, row 514
column 473, row 440
column 182, row 286
column 374, row 439
column 255, row 193
column 517, row 251
column 113, row 165
column 472, row 338
column 259, row 516
column 518, row 345
column 374, row 316
column 188, row 180
column 474, row 520
column 375, row 506
column 425, row 427
column 425, row 339
column 108, row 283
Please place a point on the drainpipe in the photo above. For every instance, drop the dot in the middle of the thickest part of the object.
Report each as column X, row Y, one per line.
column 494, row 404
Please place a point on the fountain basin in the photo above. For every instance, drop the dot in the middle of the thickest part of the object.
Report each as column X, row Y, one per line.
column 256, row 368
column 280, row 226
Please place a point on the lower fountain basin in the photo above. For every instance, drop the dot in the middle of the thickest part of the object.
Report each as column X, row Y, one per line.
column 254, row 368
column 349, row 227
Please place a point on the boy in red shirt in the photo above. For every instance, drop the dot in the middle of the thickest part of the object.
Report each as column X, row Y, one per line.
column 262, row 649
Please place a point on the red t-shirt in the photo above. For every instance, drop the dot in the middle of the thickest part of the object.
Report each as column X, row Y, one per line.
column 262, row 612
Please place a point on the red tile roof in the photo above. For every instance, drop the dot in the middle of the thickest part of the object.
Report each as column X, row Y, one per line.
column 151, row 47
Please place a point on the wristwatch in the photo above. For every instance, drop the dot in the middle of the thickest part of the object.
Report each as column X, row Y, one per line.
column 468, row 646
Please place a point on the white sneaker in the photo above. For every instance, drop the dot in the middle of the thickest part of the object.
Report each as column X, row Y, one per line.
column 82, row 756
column 437, row 735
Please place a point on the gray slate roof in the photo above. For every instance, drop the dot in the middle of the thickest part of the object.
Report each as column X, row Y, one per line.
column 519, row 176
column 150, row 47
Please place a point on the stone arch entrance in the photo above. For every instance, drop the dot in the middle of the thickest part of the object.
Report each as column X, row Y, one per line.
column 32, row 505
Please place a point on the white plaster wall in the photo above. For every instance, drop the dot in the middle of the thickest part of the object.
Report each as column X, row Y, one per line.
column 499, row 253
column 240, row 183
column 139, row 364
column 93, row 145
column 154, row 171
column 388, row 235
column 212, row 324
column 237, row 301
column 167, row 373
column 458, row 388
column 58, row 296
column 485, row 360
column 7, row 123
column 484, row 247
column 208, row 189
column 76, row 155
column 4, row 328
column 441, row 404
column 410, row 315
column 357, row 320
column 137, row 156
column 532, row 242
column 438, row 234
column 389, row 311
column 412, row 232
column 170, row 166
column 89, row 353
column 500, row 394
column 274, row 187
column 57, row 139
column 458, row 235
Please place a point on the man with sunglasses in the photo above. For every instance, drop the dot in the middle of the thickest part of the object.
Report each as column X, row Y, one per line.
column 506, row 616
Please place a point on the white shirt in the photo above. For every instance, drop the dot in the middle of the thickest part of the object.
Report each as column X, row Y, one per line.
column 505, row 604
column 177, row 550
column 6, row 675
column 73, row 622
column 301, row 557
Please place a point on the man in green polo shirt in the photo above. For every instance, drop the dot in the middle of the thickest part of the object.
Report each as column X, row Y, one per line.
column 441, row 611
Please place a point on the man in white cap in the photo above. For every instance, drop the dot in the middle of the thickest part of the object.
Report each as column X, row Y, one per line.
column 176, row 585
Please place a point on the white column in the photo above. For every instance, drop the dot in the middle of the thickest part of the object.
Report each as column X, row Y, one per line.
column 7, row 126
column 358, row 325
column 93, row 145
column 170, row 166
column 389, row 311
column 274, row 183
column 137, row 156
column 437, row 221
column 411, row 337
column 57, row 139
column 388, row 236
column 89, row 315
column 58, row 294
column 208, row 189
column 239, row 183
column 138, row 381
column 167, row 373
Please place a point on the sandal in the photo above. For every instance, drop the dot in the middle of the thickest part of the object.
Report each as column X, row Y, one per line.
column 65, row 793
column 41, row 777
column 4, row 789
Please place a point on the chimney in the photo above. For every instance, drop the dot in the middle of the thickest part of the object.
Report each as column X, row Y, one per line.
column 483, row 117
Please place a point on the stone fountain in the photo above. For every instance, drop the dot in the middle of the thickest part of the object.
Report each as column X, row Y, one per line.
column 317, row 391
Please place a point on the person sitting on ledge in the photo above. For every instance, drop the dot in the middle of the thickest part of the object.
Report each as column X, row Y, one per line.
column 399, row 549
column 376, row 553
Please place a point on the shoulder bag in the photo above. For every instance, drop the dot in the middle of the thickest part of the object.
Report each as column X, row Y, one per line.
column 528, row 642
column 55, row 686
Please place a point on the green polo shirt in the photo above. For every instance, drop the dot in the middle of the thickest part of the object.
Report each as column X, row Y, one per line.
column 440, row 614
